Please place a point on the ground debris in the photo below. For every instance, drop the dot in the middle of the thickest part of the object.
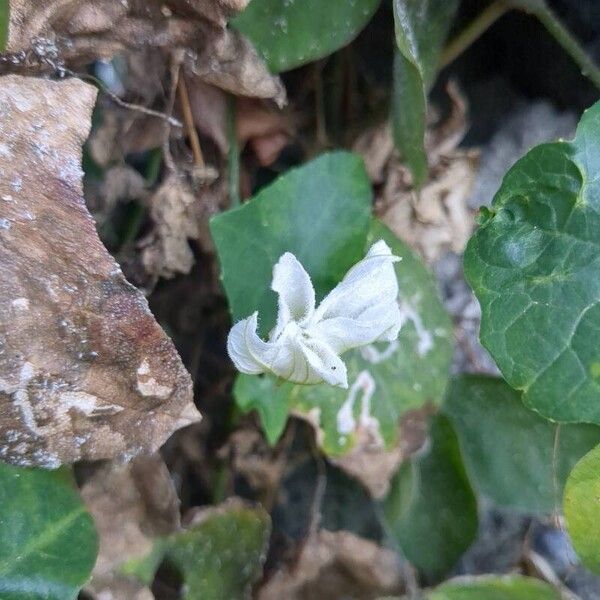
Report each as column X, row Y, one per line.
column 132, row 505
column 334, row 565
column 435, row 218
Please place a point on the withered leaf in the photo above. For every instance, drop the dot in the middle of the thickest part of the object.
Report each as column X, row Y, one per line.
column 336, row 565
column 85, row 370
column 132, row 505
column 46, row 36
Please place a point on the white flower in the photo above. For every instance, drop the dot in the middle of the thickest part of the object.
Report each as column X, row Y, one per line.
column 305, row 345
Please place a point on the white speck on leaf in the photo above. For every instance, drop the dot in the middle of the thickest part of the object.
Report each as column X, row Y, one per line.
column 346, row 423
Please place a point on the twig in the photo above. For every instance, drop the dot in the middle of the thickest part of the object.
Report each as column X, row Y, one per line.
column 176, row 59
column 190, row 127
column 129, row 105
column 473, row 31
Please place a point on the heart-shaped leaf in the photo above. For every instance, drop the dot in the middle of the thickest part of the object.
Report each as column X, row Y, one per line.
column 386, row 380
column 431, row 510
column 515, row 457
column 582, row 510
column 49, row 543
column 290, row 33
column 535, row 267
column 493, row 587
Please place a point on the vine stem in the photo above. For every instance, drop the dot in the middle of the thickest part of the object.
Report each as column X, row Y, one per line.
column 563, row 36
column 473, row 31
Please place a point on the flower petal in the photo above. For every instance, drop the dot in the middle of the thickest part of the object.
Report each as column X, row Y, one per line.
column 324, row 363
column 252, row 355
column 381, row 323
column 296, row 293
column 371, row 281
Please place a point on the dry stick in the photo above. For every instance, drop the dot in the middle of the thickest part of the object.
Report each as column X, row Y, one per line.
column 189, row 123
column 128, row 105
column 473, row 31
column 175, row 68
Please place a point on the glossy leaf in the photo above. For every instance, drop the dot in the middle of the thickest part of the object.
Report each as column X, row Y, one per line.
column 535, row 267
column 386, row 380
column 582, row 509
column 515, row 457
column 48, row 541
column 421, row 29
column 494, row 587
column 431, row 510
column 290, row 33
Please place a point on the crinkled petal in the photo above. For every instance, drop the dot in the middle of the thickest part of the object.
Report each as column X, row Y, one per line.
column 252, row 355
column 370, row 282
column 380, row 323
column 324, row 364
column 296, row 293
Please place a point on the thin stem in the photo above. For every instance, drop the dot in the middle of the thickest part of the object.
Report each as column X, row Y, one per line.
column 555, row 486
column 563, row 36
column 188, row 118
column 473, row 31
column 234, row 153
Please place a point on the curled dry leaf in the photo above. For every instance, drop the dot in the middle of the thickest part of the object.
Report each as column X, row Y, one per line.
column 231, row 62
column 132, row 505
column 179, row 215
column 435, row 218
column 336, row 565
column 85, row 370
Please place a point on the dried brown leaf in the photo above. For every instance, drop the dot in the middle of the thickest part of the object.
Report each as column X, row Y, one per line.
column 231, row 62
column 435, row 218
column 85, row 372
column 132, row 505
column 48, row 35
column 336, row 565
column 179, row 215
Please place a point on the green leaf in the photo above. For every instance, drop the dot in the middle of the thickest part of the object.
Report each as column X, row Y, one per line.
column 494, row 587
column 320, row 212
column 4, row 16
column 408, row 375
column 535, row 268
column 582, row 508
column 290, row 33
column 431, row 510
column 48, row 540
column 220, row 557
column 421, row 29
column 513, row 456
